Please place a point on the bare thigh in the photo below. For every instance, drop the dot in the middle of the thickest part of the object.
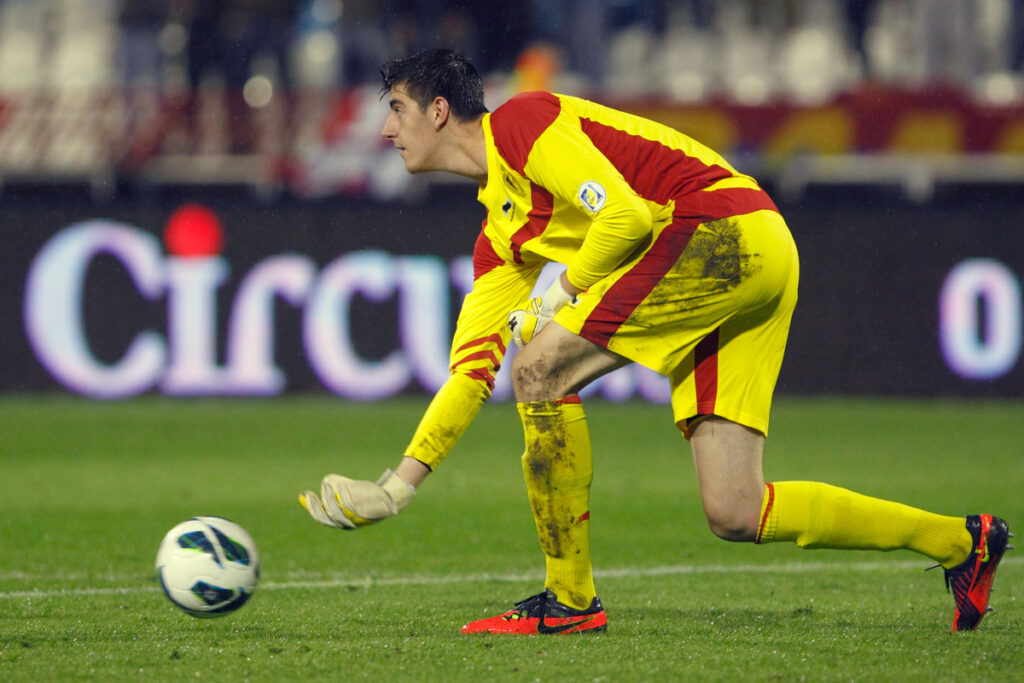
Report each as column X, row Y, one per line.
column 558, row 363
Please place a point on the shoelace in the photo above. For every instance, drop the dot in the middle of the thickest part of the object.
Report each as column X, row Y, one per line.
column 532, row 606
column 945, row 571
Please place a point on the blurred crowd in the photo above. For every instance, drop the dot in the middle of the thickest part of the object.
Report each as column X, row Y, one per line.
column 683, row 49
column 284, row 93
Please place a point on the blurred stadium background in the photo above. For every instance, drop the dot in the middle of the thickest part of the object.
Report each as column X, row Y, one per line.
column 195, row 200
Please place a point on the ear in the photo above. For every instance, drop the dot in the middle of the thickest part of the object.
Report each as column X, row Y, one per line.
column 440, row 111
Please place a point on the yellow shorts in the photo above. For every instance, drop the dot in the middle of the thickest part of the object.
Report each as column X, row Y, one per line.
column 707, row 305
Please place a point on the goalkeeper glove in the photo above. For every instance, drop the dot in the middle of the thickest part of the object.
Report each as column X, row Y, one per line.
column 351, row 503
column 525, row 323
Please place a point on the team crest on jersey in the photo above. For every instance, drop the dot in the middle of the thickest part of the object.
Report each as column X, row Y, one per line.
column 592, row 194
column 508, row 208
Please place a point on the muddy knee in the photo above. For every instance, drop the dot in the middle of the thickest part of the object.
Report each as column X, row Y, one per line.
column 528, row 381
column 538, row 379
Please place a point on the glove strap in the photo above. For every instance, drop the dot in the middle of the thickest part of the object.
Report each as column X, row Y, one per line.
column 401, row 492
column 556, row 297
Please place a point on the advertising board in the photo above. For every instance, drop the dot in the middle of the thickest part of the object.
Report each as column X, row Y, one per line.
column 358, row 298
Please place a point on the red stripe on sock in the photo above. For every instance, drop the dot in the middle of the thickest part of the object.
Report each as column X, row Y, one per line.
column 584, row 517
column 571, row 398
column 767, row 511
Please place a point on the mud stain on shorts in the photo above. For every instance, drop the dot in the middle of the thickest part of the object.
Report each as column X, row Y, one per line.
column 715, row 262
column 718, row 253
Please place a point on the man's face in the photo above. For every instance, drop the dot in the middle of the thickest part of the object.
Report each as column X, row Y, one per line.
column 411, row 130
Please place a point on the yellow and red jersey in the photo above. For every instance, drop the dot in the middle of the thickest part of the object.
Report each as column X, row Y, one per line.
column 578, row 183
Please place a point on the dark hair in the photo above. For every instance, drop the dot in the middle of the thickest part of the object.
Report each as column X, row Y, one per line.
column 438, row 73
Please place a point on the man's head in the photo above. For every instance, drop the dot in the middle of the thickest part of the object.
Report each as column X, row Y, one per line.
column 438, row 73
column 432, row 95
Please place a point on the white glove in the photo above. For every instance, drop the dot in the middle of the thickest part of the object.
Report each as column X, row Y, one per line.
column 526, row 323
column 351, row 503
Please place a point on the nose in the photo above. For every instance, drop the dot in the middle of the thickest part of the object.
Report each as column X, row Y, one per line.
column 388, row 131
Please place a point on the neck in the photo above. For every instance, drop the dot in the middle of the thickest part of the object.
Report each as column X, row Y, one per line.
column 467, row 152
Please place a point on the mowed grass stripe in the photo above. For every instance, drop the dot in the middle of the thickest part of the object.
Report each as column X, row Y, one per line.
column 308, row 582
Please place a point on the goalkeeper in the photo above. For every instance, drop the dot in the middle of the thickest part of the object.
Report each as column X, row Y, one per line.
column 673, row 260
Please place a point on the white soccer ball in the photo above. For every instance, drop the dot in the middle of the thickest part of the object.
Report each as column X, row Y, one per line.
column 208, row 566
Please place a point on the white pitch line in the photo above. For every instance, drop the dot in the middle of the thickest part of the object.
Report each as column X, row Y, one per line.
column 446, row 579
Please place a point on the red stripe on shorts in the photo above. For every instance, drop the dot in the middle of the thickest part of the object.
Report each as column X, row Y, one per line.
column 705, row 373
column 624, row 296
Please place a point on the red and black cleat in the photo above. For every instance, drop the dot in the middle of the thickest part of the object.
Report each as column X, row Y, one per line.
column 542, row 614
column 971, row 580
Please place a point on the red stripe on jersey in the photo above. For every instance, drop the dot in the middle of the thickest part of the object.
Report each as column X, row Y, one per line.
column 485, row 259
column 632, row 288
column 482, row 374
column 715, row 204
column 486, row 354
column 767, row 511
column 518, row 123
column 537, row 220
column 655, row 171
column 496, row 338
column 625, row 295
column 705, row 373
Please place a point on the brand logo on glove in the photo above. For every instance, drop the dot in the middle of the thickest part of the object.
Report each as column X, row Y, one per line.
column 592, row 194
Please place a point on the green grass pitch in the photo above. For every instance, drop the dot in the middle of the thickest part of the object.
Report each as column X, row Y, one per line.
column 87, row 491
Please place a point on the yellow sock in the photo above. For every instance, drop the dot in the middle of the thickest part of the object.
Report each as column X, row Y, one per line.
column 558, row 468
column 816, row 515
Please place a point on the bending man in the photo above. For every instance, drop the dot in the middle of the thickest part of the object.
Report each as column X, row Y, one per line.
column 673, row 260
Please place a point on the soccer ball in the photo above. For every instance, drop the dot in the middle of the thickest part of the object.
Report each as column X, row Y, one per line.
column 208, row 566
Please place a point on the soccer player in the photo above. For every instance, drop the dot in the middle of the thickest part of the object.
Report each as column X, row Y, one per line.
column 673, row 260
